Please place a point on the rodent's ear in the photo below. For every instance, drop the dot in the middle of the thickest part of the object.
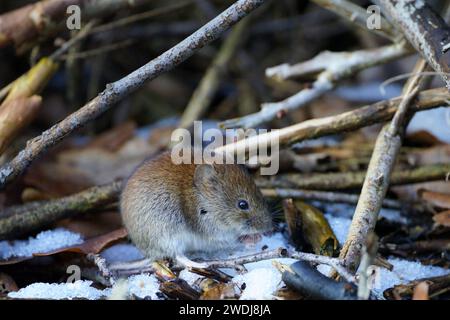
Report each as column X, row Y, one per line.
column 203, row 172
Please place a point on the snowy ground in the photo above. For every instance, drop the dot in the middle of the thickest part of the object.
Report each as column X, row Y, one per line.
column 262, row 279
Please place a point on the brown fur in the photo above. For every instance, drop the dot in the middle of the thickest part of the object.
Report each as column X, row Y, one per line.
column 161, row 205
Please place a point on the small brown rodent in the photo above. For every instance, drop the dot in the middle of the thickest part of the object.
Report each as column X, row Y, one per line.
column 170, row 210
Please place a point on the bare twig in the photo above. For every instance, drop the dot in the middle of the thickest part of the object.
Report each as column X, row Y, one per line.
column 282, row 253
column 332, row 68
column 116, row 91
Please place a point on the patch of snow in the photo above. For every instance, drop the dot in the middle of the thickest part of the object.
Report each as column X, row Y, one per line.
column 45, row 241
column 143, row 286
column 80, row 289
column 121, row 252
column 340, row 227
column 435, row 121
column 260, row 284
column 190, row 277
column 405, row 271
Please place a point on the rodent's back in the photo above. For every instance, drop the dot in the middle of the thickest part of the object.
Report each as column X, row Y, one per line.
column 153, row 201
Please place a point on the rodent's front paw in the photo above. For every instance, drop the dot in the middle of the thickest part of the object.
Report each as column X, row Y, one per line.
column 250, row 239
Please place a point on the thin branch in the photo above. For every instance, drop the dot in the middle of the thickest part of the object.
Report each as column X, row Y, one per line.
column 334, row 197
column 351, row 180
column 118, row 90
column 332, row 67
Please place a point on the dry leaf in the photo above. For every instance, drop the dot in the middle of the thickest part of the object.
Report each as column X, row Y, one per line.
column 442, row 218
column 421, row 291
column 437, row 199
column 16, row 114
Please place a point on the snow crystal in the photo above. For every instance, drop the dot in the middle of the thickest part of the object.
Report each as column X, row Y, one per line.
column 80, row 289
column 260, row 284
column 122, row 252
column 45, row 241
column 143, row 286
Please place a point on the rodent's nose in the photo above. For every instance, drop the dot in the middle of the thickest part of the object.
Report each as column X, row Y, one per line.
column 259, row 223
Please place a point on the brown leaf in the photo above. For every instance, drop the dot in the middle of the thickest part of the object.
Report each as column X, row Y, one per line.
column 442, row 218
column 421, row 291
column 115, row 138
column 218, row 291
column 409, row 193
column 434, row 155
column 437, row 199
column 92, row 224
column 94, row 245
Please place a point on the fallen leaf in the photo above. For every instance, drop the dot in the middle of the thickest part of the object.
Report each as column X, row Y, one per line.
column 437, row 199
column 218, row 291
column 16, row 114
column 442, row 218
column 421, row 291
column 93, row 224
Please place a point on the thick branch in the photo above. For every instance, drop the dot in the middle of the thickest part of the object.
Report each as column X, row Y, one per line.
column 376, row 183
column 120, row 89
column 17, row 220
column 425, row 30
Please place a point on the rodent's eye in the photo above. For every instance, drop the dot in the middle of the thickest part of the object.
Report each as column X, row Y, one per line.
column 203, row 211
column 243, row 205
